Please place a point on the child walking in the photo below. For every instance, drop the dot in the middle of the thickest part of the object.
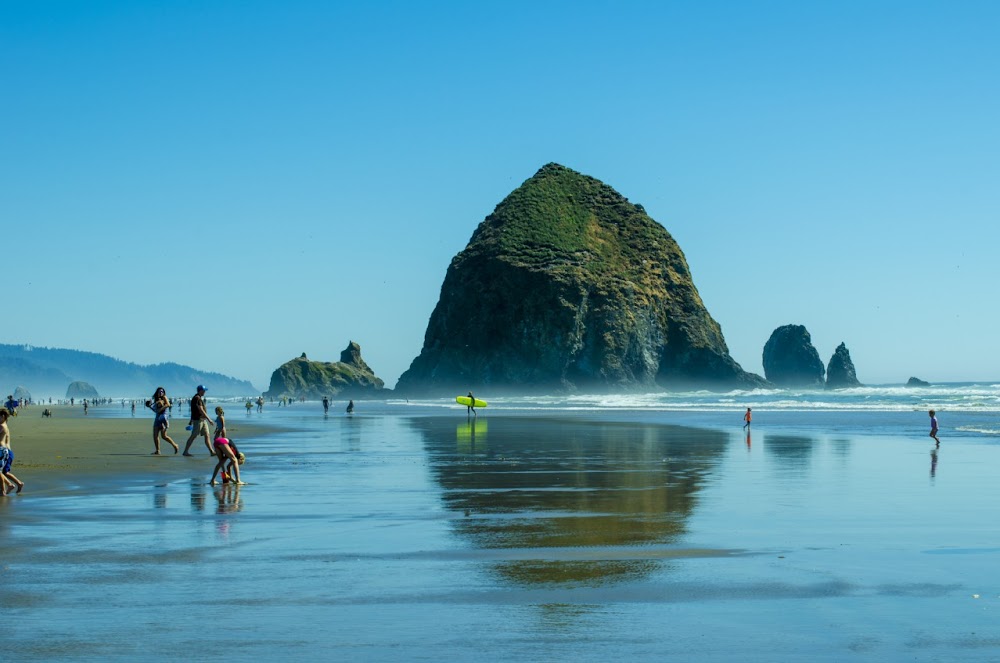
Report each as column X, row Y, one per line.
column 934, row 428
column 7, row 456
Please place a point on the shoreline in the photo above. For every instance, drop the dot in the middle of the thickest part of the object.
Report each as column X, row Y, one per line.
column 75, row 453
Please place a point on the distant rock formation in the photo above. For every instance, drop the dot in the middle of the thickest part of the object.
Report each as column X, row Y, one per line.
column 350, row 377
column 22, row 395
column 917, row 382
column 80, row 389
column 790, row 360
column 568, row 286
column 840, row 373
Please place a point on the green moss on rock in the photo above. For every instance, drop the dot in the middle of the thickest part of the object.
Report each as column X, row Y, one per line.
column 569, row 286
column 302, row 378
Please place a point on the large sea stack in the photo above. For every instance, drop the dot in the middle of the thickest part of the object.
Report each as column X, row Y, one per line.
column 840, row 373
column 81, row 389
column 791, row 360
column 350, row 377
column 568, row 286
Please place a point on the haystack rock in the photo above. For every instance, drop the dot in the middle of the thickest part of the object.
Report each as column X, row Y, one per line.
column 790, row 360
column 917, row 382
column 80, row 389
column 567, row 286
column 840, row 373
column 350, row 377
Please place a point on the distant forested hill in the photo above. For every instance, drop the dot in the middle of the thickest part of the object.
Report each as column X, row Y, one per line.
column 46, row 372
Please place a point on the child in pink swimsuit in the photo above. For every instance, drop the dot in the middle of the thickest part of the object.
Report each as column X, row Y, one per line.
column 223, row 450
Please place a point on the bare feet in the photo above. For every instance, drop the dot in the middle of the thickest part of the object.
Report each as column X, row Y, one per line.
column 212, row 482
column 20, row 487
column 155, row 453
column 187, row 454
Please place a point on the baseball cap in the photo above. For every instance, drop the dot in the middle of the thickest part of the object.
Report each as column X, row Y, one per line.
column 201, row 387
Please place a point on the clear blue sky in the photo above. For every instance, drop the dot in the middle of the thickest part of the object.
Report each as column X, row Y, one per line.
column 227, row 184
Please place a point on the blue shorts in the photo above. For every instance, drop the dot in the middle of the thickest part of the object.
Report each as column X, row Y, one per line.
column 8, row 460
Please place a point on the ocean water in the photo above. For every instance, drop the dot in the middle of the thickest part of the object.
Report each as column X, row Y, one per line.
column 593, row 528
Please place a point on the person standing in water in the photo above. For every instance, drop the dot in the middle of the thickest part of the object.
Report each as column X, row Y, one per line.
column 472, row 405
column 934, row 428
column 350, row 407
column 326, row 405
column 747, row 417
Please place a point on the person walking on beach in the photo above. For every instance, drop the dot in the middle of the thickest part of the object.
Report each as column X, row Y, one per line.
column 326, row 405
column 7, row 456
column 159, row 404
column 223, row 449
column 199, row 421
column 260, row 404
column 934, row 428
column 472, row 405
column 747, row 417
column 350, row 407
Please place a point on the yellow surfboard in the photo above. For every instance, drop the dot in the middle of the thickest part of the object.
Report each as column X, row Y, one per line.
column 464, row 400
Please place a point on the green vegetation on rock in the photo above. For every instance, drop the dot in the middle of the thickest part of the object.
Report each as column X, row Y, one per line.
column 569, row 286
column 302, row 378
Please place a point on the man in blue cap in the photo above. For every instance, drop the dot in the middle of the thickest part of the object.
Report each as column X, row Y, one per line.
column 200, row 422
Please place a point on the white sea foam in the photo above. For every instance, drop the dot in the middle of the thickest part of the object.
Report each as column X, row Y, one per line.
column 966, row 397
column 979, row 429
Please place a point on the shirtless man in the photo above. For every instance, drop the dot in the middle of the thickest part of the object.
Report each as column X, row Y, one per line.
column 200, row 422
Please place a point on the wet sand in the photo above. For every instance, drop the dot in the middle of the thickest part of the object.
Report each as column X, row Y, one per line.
column 74, row 452
column 391, row 537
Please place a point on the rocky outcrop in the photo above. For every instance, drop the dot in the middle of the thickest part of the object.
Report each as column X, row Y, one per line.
column 790, row 360
column 568, row 286
column 350, row 377
column 917, row 382
column 80, row 389
column 840, row 373
column 22, row 395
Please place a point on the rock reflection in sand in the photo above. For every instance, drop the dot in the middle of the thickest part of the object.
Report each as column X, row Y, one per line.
column 557, row 486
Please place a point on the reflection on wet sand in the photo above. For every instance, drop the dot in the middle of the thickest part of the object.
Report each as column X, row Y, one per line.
column 471, row 436
column 197, row 497
column 351, row 432
column 792, row 452
column 550, row 485
column 227, row 498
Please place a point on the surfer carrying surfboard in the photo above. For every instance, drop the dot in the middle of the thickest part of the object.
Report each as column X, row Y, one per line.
column 471, row 405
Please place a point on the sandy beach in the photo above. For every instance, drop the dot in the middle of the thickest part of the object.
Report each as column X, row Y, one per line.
column 71, row 451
